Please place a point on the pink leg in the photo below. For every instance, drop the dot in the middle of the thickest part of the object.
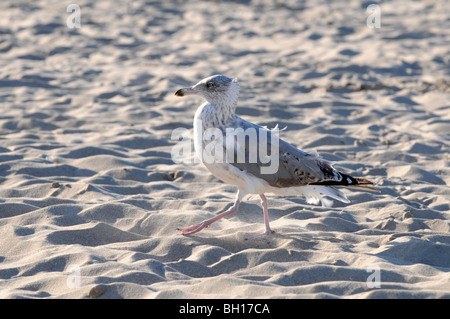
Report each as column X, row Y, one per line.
column 268, row 231
column 266, row 214
column 206, row 223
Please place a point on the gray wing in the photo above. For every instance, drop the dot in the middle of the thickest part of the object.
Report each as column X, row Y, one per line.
column 295, row 167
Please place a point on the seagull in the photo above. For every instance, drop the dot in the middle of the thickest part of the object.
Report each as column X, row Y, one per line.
column 243, row 160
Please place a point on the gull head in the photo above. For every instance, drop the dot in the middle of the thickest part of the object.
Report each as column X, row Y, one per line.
column 217, row 89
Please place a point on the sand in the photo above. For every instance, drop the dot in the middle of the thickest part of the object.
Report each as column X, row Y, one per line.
column 90, row 197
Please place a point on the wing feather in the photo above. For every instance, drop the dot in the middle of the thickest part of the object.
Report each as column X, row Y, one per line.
column 295, row 167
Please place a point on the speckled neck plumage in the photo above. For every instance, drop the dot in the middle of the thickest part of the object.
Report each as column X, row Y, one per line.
column 216, row 115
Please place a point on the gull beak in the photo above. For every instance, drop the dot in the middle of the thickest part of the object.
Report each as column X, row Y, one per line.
column 186, row 91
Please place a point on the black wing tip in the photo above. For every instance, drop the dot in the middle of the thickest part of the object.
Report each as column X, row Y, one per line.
column 350, row 182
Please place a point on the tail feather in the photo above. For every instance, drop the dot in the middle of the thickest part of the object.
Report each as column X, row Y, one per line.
column 315, row 195
column 332, row 192
column 363, row 188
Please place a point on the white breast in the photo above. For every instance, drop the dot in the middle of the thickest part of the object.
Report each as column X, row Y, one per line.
column 204, row 119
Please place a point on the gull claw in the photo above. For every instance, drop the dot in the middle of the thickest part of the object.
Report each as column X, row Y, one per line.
column 193, row 229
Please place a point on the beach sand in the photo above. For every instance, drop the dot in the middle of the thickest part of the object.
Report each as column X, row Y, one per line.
column 90, row 197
